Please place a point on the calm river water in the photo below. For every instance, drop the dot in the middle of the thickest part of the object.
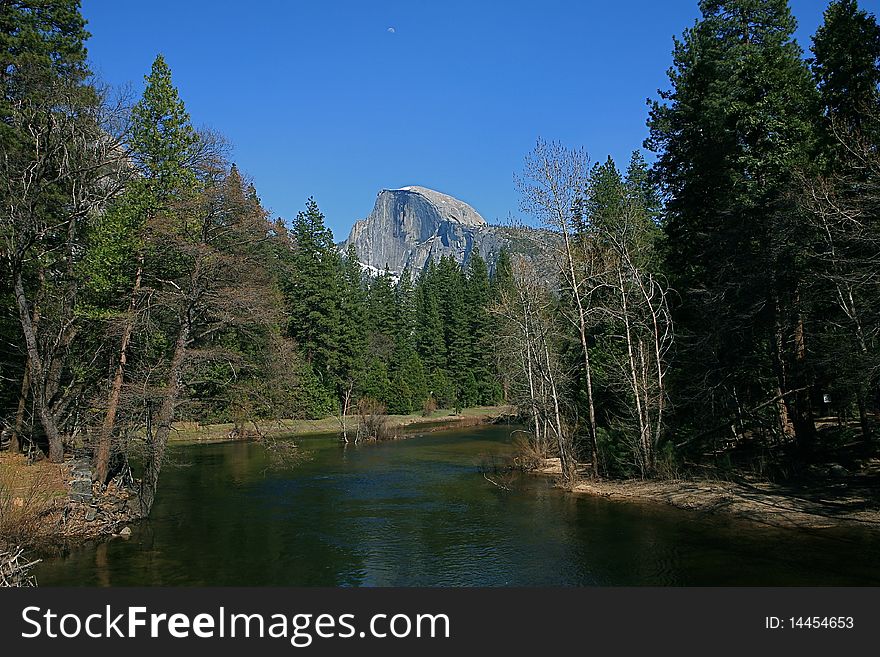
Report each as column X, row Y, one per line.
column 417, row 512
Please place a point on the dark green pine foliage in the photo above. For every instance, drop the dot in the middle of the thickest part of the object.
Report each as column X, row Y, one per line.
column 352, row 329
column 409, row 384
column 48, row 128
column 382, row 316
column 381, row 337
column 501, row 284
column 304, row 394
column 729, row 134
column 621, row 221
column 313, row 295
column 603, row 206
column 845, row 205
column 605, row 200
column 428, row 331
column 163, row 140
column 477, row 298
column 502, row 278
column 41, row 48
column 405, row 306
column 451, row 288
column 41, row 45
column 163, row 147
column 846, row 66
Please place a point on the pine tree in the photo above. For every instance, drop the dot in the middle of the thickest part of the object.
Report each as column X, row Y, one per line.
column 453, row 313
column 42, row 45
column 429, row 337
column 54, row 171
column 846, row 65
column 163, row 144
column 382, row 316
column 844, row 205
column 735, row 125
column 477, row 297
column 502, row 277
column 352, row 329
column 500, row 287
column 312, row 294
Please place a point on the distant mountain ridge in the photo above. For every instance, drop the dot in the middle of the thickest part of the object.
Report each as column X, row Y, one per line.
column 412, row 225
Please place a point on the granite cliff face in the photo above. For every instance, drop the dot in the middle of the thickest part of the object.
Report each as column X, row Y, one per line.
column 411, row 225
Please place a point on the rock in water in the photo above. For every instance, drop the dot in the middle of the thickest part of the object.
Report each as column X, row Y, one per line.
column 411, row 225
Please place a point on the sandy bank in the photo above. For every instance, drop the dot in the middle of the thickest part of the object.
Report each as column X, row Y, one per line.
column 847, row 500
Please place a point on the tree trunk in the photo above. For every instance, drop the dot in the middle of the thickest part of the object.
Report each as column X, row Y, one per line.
column 788, row 427
column 37, row 374
column 15, row 441
column 582, row 331
column 565, row 457
column 863, row 416
column 644, row 427
column 530, row 374
column 16, row 444
column 346, row 409
column 102, row 456
column 159, row 441
column 804, row 424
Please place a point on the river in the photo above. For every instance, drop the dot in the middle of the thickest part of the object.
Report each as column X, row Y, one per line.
column 417, row 512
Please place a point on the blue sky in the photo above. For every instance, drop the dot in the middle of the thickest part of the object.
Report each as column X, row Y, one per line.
column 323, row 99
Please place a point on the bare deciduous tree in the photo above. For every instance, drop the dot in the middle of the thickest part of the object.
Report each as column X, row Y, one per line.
column 530, row 340
column 553, row 186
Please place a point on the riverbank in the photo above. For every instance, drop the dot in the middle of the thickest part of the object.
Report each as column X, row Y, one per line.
column 47, row 505
column 32, row 499
column 438, row 420
column 829, row 497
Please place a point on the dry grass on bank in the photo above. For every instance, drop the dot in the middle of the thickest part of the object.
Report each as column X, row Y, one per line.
column 32, row 496
column 441, row 418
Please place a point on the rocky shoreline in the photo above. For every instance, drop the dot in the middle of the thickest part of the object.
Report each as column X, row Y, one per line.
column 48, row 507
column 91, row 512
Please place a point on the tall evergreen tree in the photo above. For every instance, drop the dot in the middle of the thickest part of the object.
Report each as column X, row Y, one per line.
column 57, row 166
column 163, row 146
column 382, row 316
column 477, row 298
column 735, row 125
column 429, row 334
column 846, row 64
column 844, row 204
column 313, row 294
column 352, row 329
column 453, row 313
column 501, row 286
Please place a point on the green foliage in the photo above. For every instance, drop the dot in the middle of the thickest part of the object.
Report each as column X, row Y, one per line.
column 736, row 124
column 846, row 63
column 313, row 293
column 42, row 44
column 163, row 140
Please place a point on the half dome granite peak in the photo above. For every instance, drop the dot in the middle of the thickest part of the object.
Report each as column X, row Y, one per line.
column 410, row 225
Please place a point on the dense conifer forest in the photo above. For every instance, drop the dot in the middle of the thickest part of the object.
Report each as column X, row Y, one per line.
column 714, row 299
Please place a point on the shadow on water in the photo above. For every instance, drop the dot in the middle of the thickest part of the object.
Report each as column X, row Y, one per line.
column 417, row 512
